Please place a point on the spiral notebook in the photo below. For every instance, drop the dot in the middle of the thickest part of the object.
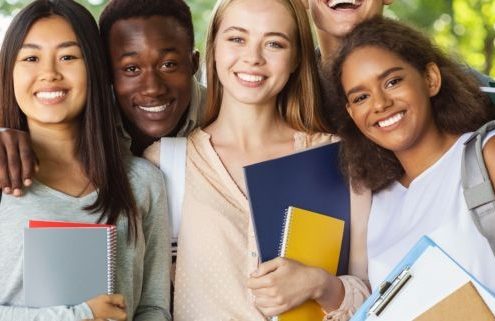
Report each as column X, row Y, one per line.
column 313, row 239
column 67, row 263
column 309, row 179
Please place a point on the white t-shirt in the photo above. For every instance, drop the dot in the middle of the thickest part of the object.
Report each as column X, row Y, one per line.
column 432, row 205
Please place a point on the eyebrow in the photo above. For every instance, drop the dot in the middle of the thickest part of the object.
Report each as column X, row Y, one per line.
column 267, row 34
column 135, row 53
column 381, row 76
column 64, row 44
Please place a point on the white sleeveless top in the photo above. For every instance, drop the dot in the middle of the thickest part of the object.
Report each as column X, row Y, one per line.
column 432, row 205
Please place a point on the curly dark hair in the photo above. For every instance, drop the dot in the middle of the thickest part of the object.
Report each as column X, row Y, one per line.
column 459, row 106
column 127, row 9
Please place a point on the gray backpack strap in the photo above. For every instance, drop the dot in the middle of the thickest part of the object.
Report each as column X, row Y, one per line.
column 173, row 165
column 478, row 190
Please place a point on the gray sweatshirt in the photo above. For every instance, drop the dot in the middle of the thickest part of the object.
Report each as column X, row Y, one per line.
column 143, row 267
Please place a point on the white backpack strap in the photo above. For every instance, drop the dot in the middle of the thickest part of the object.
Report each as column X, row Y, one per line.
column 173, row 165
column 478, row 190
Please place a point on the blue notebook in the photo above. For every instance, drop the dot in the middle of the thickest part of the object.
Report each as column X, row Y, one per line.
column 310, row 179
column 421, row 281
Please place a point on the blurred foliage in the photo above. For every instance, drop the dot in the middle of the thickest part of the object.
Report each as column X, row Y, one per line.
column 463, row 27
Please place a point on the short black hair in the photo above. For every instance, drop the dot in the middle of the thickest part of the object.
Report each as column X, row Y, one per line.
column 127, row 9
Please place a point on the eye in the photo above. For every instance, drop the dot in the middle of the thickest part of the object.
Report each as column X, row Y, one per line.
column 236, row 40
column 168, row 65
column 132, row 69
column 67, row 57
column 359, row 99
column 393, row 82
column 275, row 44
column 31, row 59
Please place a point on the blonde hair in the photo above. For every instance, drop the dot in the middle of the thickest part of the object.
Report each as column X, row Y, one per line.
column 299, row 100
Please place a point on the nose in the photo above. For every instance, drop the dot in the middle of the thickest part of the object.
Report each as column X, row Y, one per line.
column 381, row 101
column 153, row 84
column 49, row 71
column 253, row 54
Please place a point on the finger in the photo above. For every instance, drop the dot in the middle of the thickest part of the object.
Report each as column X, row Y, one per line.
column 268, row 307
column 14, row 162
column 266, row 281
column 268, row 267
column 28, row 158
column 116, row 313
column 117, row 300
column 4, row 171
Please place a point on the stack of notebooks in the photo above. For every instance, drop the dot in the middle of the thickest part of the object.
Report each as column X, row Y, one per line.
column 67, row 263
column 300, row 208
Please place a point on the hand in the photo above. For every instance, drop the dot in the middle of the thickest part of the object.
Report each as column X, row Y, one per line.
column 17, row 161
column 282, row 284
column 108, row 306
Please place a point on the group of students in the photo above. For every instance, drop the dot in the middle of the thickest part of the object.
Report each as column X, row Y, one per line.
column 401, row 108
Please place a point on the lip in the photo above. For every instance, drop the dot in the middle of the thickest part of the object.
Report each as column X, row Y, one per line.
column 51, row 96
column 391, row 121
column 250, row 79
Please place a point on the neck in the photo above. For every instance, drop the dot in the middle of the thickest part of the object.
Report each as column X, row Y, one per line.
column 249, row 127
column 55, row 143
column 418, row 159
column 329, row 46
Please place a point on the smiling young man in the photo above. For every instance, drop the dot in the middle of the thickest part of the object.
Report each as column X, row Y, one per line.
column 334, row 19
column 150, row 45
column 151, row 55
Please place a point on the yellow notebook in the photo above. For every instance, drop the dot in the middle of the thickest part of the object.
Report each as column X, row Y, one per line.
column 312, row 239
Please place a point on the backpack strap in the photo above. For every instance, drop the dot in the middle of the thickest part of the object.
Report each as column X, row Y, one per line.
column 478, row 190
column 173, row 165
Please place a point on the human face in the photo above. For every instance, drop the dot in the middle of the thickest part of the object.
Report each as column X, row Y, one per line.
column 255, row 51
column 389, row 99
column 50, row 73
column 338, row 17
column 153, row 64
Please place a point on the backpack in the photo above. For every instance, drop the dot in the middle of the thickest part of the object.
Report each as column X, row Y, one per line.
column 476, row 184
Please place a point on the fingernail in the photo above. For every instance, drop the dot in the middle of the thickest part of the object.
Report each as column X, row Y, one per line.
column 7, row 190
column 28, row 182
column 17, row 192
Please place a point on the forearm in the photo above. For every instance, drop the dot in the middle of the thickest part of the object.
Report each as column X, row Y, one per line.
column 59, row 313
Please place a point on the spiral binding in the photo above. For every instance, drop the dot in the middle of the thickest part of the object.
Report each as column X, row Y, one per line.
column 111, row 258
column 282, row 247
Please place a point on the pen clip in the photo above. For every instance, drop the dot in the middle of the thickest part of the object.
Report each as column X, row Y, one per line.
column 388, row 290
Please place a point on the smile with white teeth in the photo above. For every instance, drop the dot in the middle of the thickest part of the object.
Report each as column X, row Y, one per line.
column 391, row 120
column 50, row 94
column 154, row 109
column 249, row 77
column 343, row 3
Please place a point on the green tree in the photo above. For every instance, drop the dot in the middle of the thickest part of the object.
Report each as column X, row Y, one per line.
column 463, row 27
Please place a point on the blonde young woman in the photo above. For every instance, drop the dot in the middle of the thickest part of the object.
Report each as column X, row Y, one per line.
column 261, row 104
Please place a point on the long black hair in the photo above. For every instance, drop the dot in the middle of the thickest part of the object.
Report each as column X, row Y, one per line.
column 97, row 146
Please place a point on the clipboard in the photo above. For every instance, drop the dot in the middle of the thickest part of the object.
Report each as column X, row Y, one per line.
column 424, row 278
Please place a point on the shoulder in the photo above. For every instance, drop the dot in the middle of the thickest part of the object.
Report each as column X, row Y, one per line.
column 489, row 156
column 304, row 140
column 152, row 153
column 141, row 172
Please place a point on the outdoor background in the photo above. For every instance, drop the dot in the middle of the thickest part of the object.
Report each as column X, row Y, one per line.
column 463, row 27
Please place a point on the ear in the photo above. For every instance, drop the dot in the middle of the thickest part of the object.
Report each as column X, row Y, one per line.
column 433, row 78
column 195, row 61
column 305, row 3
